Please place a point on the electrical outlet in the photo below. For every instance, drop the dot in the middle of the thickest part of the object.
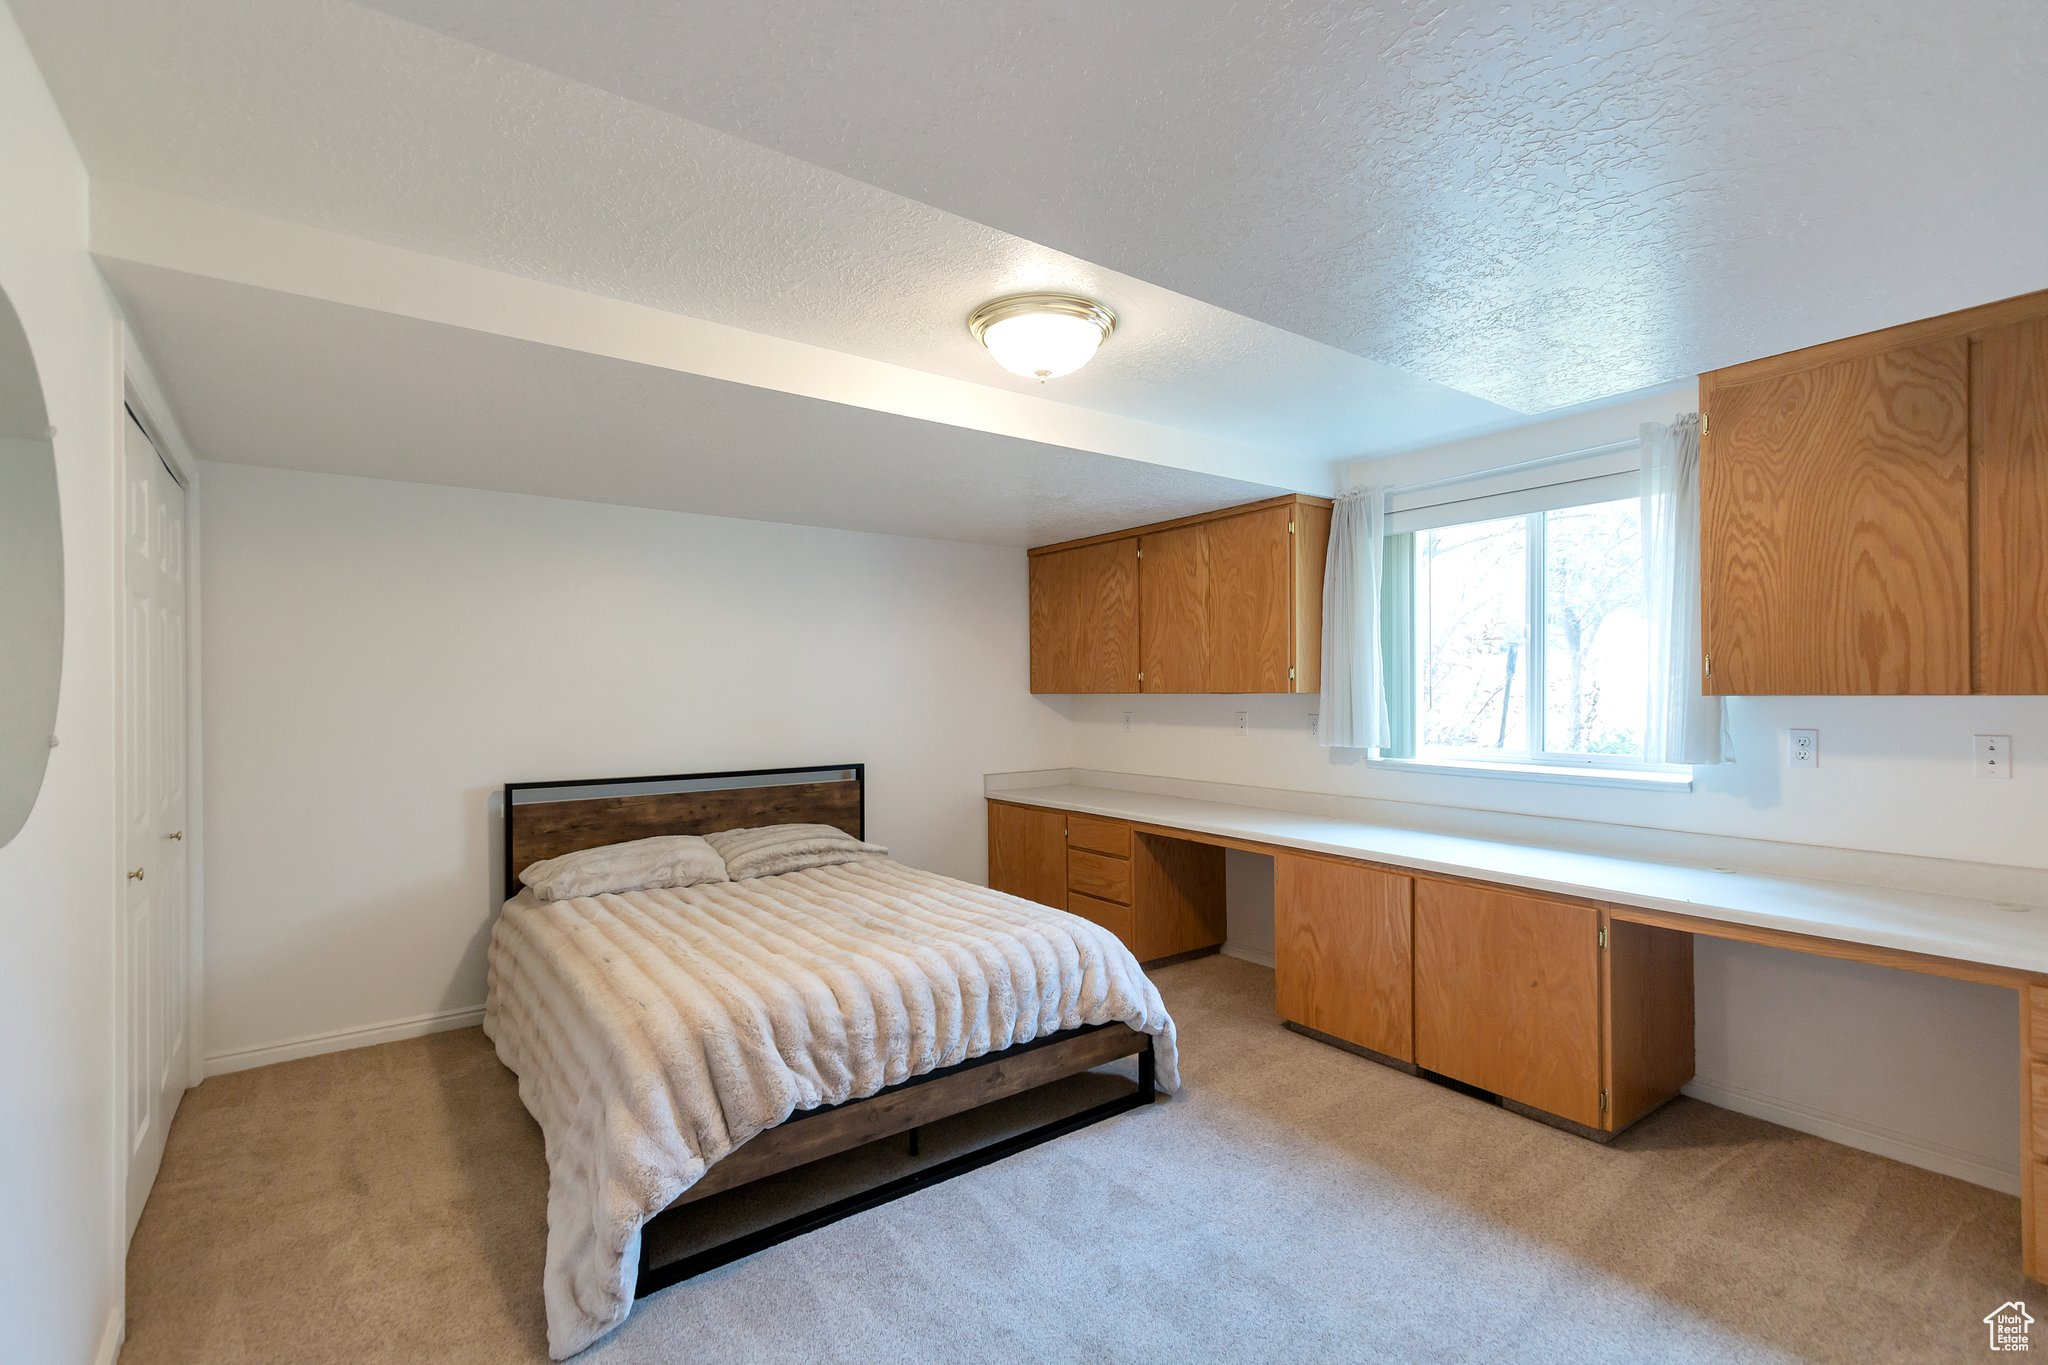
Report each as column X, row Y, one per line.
column 1127, row 722
column 1802, row 748
column 1994, row 755
column 1241, row 727
column 1312, row 719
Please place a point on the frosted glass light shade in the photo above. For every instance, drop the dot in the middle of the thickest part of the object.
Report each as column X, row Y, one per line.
column 1042, row 336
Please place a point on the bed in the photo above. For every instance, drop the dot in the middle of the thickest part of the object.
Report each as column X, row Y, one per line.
column 679, row 1044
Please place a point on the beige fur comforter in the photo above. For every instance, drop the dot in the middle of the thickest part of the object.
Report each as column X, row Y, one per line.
column 653, row 1032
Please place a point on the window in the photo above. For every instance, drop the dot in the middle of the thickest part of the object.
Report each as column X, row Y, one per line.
column 1514, row 623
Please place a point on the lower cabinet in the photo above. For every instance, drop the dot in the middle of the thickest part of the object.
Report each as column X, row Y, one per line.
column 1027, row 853
column 1342, row 945
column 1507, row 995
column 1546, row 1003
column 1163, row 897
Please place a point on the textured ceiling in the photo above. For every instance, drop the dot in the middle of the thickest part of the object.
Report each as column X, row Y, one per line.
column 269, row 378
column 1540, row 203
column 333, row 115
column 1333, row 230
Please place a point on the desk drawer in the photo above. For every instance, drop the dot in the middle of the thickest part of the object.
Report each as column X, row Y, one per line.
column 1098, row 875
column 1118, row 919
column 2035, row 1001
column 1102, row 836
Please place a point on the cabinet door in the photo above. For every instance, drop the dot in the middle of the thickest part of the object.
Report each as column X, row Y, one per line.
column 1835, row 525
column 1311, row 556
column 1084, row 619
column 1173, row 582
column 2009, row 494
column 1507, row 995
column 1251, row 602
column 1027, row 853
column 1341, row 948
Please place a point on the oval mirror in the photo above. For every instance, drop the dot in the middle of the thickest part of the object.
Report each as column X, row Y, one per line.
column 31, row 580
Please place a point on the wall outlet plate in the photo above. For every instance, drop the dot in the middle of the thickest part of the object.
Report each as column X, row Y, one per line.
column 1802, row 748
column 1994, row 755
column 1242, row 728
column 1313, row 717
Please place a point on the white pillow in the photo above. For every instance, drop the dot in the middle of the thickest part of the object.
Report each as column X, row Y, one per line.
column 665, row 860
column 771, row 849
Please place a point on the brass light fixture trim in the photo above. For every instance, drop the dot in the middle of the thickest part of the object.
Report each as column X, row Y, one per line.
column 1011, row 306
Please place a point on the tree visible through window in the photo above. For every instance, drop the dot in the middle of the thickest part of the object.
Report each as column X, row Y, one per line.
column 1530, row 637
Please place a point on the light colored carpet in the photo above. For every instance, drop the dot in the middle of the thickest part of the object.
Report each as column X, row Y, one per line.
column 1295, row 1202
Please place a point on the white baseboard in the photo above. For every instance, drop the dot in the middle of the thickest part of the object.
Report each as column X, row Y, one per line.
column 110, row 1336
column 1263, row 957
column 342, row 1040
column 1886, row 1142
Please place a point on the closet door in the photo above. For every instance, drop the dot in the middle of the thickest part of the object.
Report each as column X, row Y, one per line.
column 155, row 928
column 1835, row 524
column 2009, row 503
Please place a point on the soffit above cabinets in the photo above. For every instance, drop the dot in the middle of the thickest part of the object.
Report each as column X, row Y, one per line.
column 266, row 377
column 1331, row 232
column 333, row 116
column 1540, row 204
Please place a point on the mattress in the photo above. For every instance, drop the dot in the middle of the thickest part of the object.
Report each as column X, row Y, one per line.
column 655, row 1031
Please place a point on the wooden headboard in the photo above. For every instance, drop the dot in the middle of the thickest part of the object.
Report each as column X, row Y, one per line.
column 547, row 819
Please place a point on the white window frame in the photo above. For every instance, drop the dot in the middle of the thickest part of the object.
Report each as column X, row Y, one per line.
column 1602, row 474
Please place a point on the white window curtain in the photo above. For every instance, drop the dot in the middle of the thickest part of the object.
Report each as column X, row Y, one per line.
column 1354, row 714
column 1684, row 726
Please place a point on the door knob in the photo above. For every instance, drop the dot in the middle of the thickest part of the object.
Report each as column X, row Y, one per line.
column 136, row 875
column 175, row 834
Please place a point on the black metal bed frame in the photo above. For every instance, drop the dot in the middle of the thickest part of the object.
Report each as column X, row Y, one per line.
column 651, row 1278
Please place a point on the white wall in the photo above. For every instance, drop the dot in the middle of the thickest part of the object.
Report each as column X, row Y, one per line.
column 60, row 1245
column 1782, row 1034
column 380, row 657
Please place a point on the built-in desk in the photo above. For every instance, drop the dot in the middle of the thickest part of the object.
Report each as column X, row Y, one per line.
column 1485, row 939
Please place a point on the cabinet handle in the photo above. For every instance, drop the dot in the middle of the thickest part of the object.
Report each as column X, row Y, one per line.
column 177, row 834
column 136, row 875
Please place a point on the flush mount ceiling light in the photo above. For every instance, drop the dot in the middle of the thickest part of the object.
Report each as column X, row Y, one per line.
column 1042, row 336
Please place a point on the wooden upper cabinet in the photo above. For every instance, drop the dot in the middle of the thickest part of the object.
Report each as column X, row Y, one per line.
column 1230, row 601
column 1873, row 512
column 1084, row 618
column 1311, row 552
column 2009, row 502
column 1173, row 610
column 1835, row 526
column 1251, row 602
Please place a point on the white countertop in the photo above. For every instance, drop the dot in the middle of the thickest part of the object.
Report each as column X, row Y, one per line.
column 2000, row 933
